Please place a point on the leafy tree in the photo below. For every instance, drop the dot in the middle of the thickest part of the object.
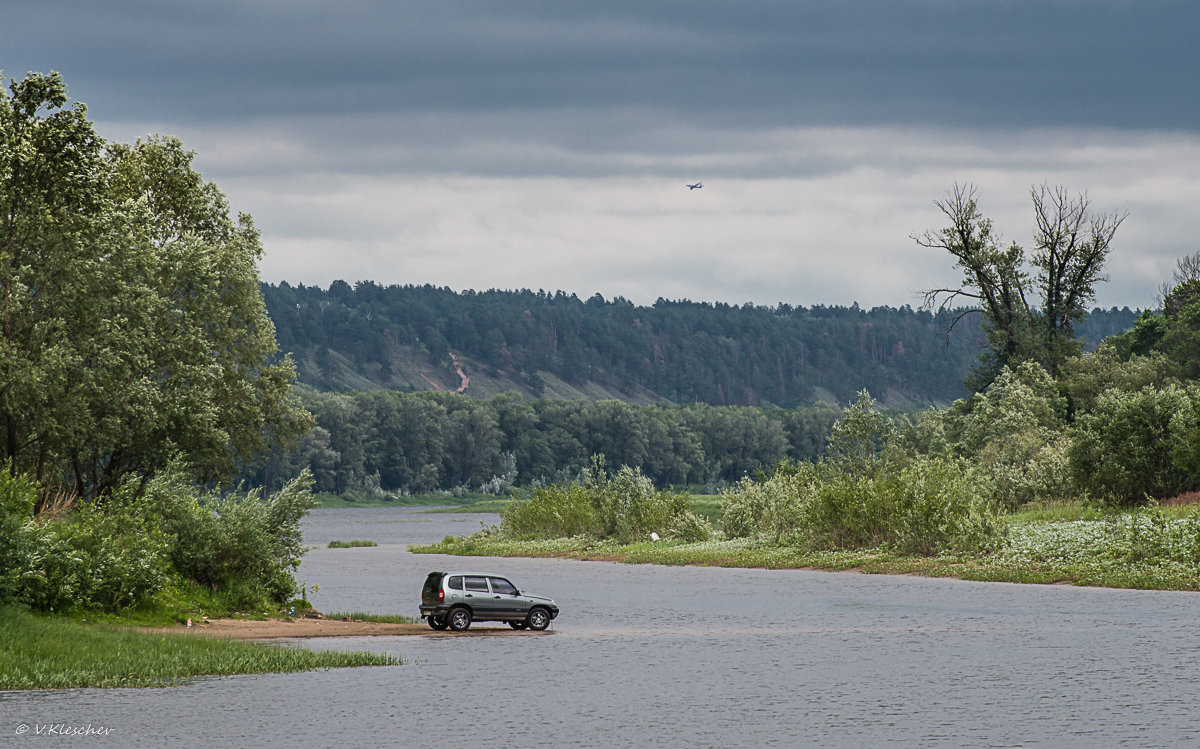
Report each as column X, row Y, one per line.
column 1029, row 305
column 1084, row 378
column 862, row 436
column 132, row 328
column 1014, row 433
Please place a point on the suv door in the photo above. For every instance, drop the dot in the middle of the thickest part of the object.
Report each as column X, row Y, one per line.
column 508, row 601
column 479, row 597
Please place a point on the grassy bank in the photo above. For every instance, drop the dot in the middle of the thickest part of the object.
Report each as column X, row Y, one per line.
column 1155, row 549
column 47, row 652
column 438, row 502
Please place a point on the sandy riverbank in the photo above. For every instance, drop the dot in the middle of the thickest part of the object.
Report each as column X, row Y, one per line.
column 254, row 629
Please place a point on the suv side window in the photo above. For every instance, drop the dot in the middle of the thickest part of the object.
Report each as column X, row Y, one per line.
column 500, row 585
column 455, row 582
column 478, row 584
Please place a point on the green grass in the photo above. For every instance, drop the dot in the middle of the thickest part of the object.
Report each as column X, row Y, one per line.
column 47, row 652
column 364, row 616
column 351, row 544
column 707, row 506
column 483, row 504
column 469, row 502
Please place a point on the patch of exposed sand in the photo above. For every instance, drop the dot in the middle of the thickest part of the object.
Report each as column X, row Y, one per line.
column 255, row 629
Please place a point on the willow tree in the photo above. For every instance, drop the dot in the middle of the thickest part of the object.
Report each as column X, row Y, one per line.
column 132, row 328
column 1029, row 304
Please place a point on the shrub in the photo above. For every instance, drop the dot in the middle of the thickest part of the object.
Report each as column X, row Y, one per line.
column 1135, row 444
column 925, row 507
column 17, row 497
column 772, row 506
column 558, row 510
column 1014, row 432
column 106, row 558
column 246, row 544
column 690, row 528
column 625, row 507
column 630, row 507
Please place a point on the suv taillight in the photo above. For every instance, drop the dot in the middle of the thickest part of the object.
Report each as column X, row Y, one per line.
column 441, row 596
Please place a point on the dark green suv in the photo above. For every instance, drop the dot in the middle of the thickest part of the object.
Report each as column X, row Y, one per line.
column 455, row 599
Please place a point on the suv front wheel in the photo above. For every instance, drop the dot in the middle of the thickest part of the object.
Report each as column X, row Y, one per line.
column 539, row 619
column 459, row 619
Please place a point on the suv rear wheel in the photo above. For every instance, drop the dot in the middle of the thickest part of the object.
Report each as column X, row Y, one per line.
column 539, row 619
column 459, row 619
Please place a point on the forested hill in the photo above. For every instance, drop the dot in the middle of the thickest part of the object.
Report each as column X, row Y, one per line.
column 409, row 338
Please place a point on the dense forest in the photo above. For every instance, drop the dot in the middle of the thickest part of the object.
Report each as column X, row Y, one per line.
column 384, row 442
column 417, row 389
column 409, row 338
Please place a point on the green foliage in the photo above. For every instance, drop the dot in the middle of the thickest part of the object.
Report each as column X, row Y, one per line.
column 246, row 545
column 1134, row 445
column 773, row 506
column 925, row 507
column 134, row 332
column 689, row 527
column 861, row 436
column 97, row 559
column 352, row 544
column 625, row 506
column 17, row 496
column 92, row 558
column 1014, row 432
column 557, row 345
column 869, row 493
column 1084, row 378
column 558, row 510
column 385, row 445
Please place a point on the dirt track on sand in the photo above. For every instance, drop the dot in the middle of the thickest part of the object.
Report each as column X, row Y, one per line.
column 253, row 629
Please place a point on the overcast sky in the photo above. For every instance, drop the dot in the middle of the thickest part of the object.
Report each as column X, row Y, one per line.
column 546, row 145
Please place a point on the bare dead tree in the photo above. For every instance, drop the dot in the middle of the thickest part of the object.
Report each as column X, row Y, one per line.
column 1071, row 247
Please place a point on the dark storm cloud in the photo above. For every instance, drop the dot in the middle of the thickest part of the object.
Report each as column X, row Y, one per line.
column 763, row 64
column 545, row 144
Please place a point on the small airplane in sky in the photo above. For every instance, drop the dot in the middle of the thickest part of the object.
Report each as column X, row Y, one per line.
column 696, row 186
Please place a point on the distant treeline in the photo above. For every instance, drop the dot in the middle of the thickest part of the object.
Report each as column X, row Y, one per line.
column 366, row 443
column 371, row 336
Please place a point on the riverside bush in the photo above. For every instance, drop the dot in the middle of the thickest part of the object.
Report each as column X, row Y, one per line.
column 247, row 545
column 17, row 497
column 1137, row 444
column 107, row 559
column 625, row 507
column 925, row 506
column 772, row 506
column 91, row 558
column 555, row 511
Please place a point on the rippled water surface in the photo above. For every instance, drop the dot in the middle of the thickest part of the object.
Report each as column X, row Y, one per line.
column 647, row 656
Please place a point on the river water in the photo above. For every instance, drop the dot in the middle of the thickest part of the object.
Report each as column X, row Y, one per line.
column 647, row 656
